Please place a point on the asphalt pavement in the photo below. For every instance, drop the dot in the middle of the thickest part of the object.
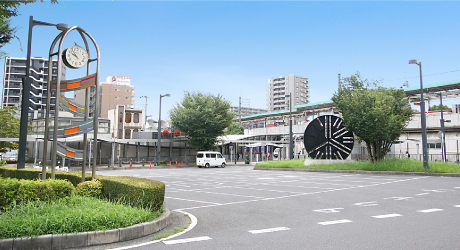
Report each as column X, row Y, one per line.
column 239, row 208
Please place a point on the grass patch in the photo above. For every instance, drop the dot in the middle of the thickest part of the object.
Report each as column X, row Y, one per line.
column 69, row 215
column 394, row 164
column 169, row 233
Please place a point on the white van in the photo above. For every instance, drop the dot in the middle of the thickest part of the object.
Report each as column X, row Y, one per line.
column 209, row 159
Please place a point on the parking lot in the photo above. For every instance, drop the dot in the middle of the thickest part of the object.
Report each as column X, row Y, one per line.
column 240, row 208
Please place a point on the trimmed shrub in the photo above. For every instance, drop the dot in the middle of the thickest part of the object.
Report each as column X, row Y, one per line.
column 91, row 188
column 8, row 191
column 137, row 192
column 14, row 190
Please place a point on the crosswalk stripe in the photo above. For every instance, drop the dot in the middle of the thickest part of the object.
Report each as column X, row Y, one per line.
column 430, row 210
column 383, row 216
column 171, row 242
column 269, row 230
column 325, row 223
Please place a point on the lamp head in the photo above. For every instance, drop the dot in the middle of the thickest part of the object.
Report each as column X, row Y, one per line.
column 413, row 61
column 62, row 26
column 167, row 95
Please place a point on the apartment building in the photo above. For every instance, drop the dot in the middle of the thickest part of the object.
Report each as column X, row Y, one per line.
column 125, row 121
column 117, row 90
column 278, row 88
column 15, row 70
column 246, row 111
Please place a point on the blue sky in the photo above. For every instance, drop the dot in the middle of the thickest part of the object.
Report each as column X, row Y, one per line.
column 232, row 48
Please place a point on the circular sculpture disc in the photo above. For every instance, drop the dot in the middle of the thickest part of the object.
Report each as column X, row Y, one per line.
column 326, row 138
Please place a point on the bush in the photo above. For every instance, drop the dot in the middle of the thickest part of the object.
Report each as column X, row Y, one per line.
column 91, row 188
column 13, row 190
column 137, row 192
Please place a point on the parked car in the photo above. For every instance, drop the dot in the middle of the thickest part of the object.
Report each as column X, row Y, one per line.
column 209, row 159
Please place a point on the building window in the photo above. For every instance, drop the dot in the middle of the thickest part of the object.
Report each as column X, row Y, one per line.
column 115, row 97
column 136, row 118
column 434, row 145
column 127, row 90
column 127, row 98
column 128, row 118
column 128, row 134
column 117, row 89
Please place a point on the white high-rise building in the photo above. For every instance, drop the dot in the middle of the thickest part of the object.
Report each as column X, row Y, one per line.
column 278, row 88
column 15, row 70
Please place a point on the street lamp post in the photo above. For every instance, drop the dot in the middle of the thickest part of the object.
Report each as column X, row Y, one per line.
column 423, row 117
column 159, row 132
column 26, row 92
column 290, row 127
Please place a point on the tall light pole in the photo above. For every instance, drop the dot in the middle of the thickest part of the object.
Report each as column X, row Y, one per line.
column 145, row 121
column 423, row 116
column 26, row 92
column 290, row 127
column 159, row 132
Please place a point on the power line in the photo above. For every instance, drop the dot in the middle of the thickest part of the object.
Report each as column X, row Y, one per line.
column 423, row 76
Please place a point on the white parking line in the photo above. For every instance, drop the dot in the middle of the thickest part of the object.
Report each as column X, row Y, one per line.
column 384, row 216
column 172, row 242
column 456, row 205
column 269, row 230
column 193, row 200
column 430, row 210
column 325, row 223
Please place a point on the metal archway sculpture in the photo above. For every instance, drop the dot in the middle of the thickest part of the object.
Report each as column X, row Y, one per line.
column 326, row 138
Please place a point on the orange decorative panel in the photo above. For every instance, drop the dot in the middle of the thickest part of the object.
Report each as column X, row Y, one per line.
column 70, row 153
column 71, row 130
column 72, row 107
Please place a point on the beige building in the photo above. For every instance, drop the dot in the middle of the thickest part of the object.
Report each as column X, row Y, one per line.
column 125, row 121
column 117, row 90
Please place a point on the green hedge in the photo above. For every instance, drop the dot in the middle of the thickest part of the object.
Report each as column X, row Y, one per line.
column 14, row 190
column 137, row 192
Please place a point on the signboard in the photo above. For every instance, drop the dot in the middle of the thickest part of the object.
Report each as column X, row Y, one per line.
column 119, row 80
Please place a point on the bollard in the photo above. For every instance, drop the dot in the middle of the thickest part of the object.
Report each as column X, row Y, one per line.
column 119, row 163
column 150, row 164
column 176, row 164
column 182, row 163
column 143, row 161
column 169, row 164
column 130, row 163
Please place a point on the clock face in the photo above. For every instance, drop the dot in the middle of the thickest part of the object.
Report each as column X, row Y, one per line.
column 327, row 138
column 75, row 57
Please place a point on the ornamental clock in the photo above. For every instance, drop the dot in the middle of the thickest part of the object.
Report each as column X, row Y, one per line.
column 75, row 57
column 326, row 138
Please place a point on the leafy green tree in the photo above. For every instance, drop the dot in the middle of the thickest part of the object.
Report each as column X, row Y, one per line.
column 202, row 118
column 234, row 129
column 376, row 115
column 438, row 107
column 9, row 128
column 8, row 10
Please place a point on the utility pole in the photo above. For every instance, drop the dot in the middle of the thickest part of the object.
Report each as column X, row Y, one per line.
column 145, row 121
column 239, row 110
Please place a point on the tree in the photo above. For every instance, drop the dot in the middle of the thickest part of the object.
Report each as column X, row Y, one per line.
column 438, row 107
column 9, row 9
column 9, row 128
column 202, row 118
column 234, row 129
column 376, row 115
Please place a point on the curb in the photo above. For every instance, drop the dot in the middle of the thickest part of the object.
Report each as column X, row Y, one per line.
column 86, row 239
column 361, row 172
